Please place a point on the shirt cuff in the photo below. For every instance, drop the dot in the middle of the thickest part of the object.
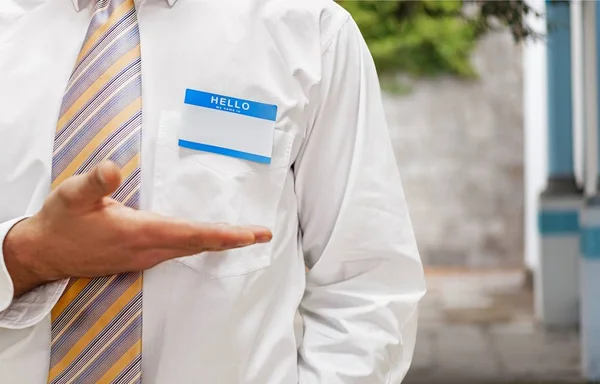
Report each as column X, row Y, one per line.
column 31, row 307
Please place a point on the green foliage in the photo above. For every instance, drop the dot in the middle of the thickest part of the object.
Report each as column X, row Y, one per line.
column 430, row 37
column 417, row 37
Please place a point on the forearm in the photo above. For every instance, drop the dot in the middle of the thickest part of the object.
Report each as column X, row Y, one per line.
column 19, row 250
column 21, row 303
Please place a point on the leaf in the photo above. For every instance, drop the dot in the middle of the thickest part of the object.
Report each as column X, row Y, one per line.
column 432, row 37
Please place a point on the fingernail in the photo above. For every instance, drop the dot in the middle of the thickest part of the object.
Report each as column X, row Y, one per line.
column 101, row 176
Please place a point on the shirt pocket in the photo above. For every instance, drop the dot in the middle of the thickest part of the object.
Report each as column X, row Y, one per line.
column 207, row 187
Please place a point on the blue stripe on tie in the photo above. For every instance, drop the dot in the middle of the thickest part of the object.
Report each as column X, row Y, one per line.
column 231, row 104
column 558, row 222
column 225, row 151
column 590, row 243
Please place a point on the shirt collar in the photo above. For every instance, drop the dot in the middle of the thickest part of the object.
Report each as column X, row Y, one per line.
column 80, row 4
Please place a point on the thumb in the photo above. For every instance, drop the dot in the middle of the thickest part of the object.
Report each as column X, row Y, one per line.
column 89, row 188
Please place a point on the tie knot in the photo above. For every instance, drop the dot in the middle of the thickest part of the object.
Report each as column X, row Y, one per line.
column 107, row 7
column 101, row 4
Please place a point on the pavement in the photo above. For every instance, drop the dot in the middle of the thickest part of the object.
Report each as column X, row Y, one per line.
column 479, row 327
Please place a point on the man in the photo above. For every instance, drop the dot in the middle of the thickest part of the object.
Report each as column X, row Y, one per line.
column 127, row 128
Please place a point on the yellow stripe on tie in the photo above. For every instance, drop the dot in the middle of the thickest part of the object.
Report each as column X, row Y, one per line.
column 123, row 362
column 71, row 293
column 92, row 114
column 135, row 379
column 112, row 20
column 108, row 343
column 98, row 84
column 98, row 326
column 109, row 128
column 84, row 70
column 130, row 167
column 83, row 308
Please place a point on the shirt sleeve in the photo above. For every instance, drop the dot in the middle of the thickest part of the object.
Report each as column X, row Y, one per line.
column 31, row 307
column 360, row 305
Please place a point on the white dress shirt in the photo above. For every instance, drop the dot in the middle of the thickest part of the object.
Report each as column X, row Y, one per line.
column 332, row 194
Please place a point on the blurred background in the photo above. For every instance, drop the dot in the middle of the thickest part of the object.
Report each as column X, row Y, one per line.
column 492, row 110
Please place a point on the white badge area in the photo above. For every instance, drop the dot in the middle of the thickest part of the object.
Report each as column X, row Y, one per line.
column 227, row 126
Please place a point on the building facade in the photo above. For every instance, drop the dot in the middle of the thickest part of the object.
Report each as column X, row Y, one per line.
column 566, row 256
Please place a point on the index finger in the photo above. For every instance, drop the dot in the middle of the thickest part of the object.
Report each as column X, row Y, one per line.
column 166, row 232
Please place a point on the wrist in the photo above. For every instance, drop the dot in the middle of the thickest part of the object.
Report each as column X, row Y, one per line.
column 21, row 257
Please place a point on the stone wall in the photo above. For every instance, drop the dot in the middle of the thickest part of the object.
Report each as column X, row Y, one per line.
column 459, row 146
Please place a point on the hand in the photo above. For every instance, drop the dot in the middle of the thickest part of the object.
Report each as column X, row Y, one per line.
column 81, row 232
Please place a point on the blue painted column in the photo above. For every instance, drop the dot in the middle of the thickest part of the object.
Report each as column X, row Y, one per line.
column 590, row 216
column 590, row 290
column 560, row 109
column 556, row 281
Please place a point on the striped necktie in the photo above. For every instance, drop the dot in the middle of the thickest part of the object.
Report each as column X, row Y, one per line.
column 97, row 323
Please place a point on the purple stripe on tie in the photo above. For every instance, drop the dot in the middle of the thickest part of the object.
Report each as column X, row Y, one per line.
column 108, row 39
column 125, row 73
column 100, row 112
column 134, row 200
column 101, row 15
column 113, row 50
column 100, row 62
column 77, row 143
column 98, row 67
column 107, row 358
column 129, row 312
column 127, row 149
column 102, row 151
column 74, row 307
column 131, row 371
column 112, row 93
column 112, row 354
column 95, row 309
column 130, row 183
column 117, row 323
column 126, row 138
column 91, row 128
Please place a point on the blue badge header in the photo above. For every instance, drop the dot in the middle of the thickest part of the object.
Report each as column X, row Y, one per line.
column 231, row 104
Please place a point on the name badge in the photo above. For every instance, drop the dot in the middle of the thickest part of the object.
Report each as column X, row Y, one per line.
column 228, row 126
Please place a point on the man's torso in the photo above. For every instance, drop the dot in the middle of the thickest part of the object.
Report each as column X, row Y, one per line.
column 212, row 318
